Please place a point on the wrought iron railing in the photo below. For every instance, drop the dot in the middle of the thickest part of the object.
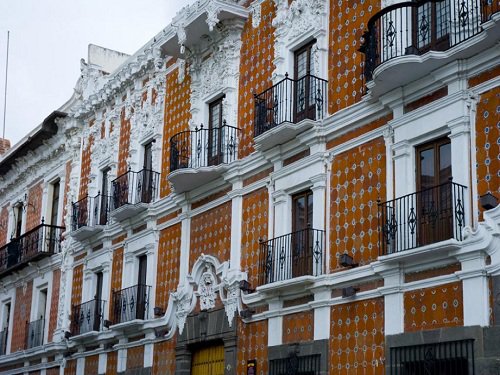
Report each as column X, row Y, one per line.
column 422, row 218
column 34, row 333
column 453, row 357
column 87, row 317
column 293, row 364
column 204, row 147
column 90, row 211
column 131, row 303
column 414, row 28
column 295, row 254
column 290, row 100
column 3, row 341
column 135, row 187
column 41, row 241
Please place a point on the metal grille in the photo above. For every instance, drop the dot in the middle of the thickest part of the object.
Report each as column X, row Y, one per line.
column 295, row 365
column 135, row 187
column 87, row 317
column 34, row 333
column 90, row 211
column 131, row 303
column 446, row 358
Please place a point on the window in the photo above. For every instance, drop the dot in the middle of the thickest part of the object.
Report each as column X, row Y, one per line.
column 142, row 289
column 215, row 151
column 36, row 326
column 104, row 203
column 18, row 220
column 98, row 305
column 430, row 26
column 302, row 238
column 54, row 211
column 208, row 361
column 4, row 333
column 304, row 103
column 147, row 174
column 303, row 365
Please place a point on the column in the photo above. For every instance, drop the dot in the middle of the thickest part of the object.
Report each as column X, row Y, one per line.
column 475, row 289
column 236, row 217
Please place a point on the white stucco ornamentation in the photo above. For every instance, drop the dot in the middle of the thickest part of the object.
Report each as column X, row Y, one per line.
column 256, row 10
column 206, row 290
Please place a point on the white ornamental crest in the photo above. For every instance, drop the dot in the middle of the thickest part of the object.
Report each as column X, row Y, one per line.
column 206, row 290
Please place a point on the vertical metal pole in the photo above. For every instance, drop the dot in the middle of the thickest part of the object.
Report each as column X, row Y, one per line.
column 5, row 94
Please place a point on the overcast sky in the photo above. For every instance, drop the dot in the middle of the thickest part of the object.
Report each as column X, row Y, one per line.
column 47, row 40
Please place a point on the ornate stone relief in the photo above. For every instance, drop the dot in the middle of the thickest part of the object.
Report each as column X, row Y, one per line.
column 256, row 10
column 206, row 290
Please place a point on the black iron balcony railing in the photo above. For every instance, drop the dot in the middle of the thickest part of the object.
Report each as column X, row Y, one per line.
column 34, row 333
column 414, row 28
column 204, row 147
column 43, row 240
column 87, row 317
column 3, row 341
column 422, row 218
column 295, row 254
column 135, row 187
column 290, row 100
column 131, row 303
column 452, row 357
column 90, row 211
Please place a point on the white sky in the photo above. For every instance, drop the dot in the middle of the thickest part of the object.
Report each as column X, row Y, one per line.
column 47, row 40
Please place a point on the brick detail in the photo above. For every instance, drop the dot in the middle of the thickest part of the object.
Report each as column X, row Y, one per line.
column 135, row 357
column 348, row 21
column 85, row 168
column 357, row 338
column 298, row 327
column 254, row 226
column 210, row 198
column 169, row 250
column 76, row 288
column 258, row 176
column 177, row 116
column 487, row 144
column 427, row 274
column 211, row 234
column 4, row 221
column 70, row 368
column 484, row 76
column 119, row 239
column 116, row 276
column 357, row 181
column 22, row 315
column 67, row 182
column 124, row 145
column 256, row 69
column 52, row 371
column 92, row 365
column 168, row 217
column 438, row 94
column 252, row 344
column 112, row 363
column 433, row 308
column 164, row 357
column 292, row 159
column 34, row 206
column 54, row 303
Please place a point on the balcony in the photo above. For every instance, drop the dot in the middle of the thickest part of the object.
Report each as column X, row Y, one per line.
column 201, row 155
column 34, row 333
column 3, row 341
column 287, row 109
column 131, row 304
column 401, row 37
column 132, row 192
column 40, row 242
column 422, row 218
column 87, row 317
column 89, row 216
column 296, row 254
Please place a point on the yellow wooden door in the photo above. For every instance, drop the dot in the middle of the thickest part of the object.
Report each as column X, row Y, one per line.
column 208, row 361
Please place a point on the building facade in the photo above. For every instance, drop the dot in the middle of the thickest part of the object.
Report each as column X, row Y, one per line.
column 266, row 187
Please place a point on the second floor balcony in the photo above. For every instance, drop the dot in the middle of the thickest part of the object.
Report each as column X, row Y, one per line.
column 288, row 108
column 408, row 40
column 131, row 303
column 132, row 192
column 422, row 218
column 201, row 155
column 34, row 333
column 87, row 317
column 40, row 242
column 300, row 253
column 89, row 216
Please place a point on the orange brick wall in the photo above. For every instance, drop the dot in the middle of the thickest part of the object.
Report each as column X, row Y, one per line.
column 298, row 327
column 112, row 363
column 169, row 250
column 487, row 144
column 252, row 344
column 357, row 181
column 66, row 191
column 70, row 368
column 116, row 276
column 164, row 357
column 92, row 365
column 34, row 207
column 124, row 143
column 53, row 371
column 135, row 357
column 22, row 312
column 76, row 289
column 177, row 116
column 433, row 308
column 4, row 221
column 54, row 301
column 357, row 338
column 211, row 234
column 254, row 226
column 85, row 167
column 348, row 21
column 256, row 69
